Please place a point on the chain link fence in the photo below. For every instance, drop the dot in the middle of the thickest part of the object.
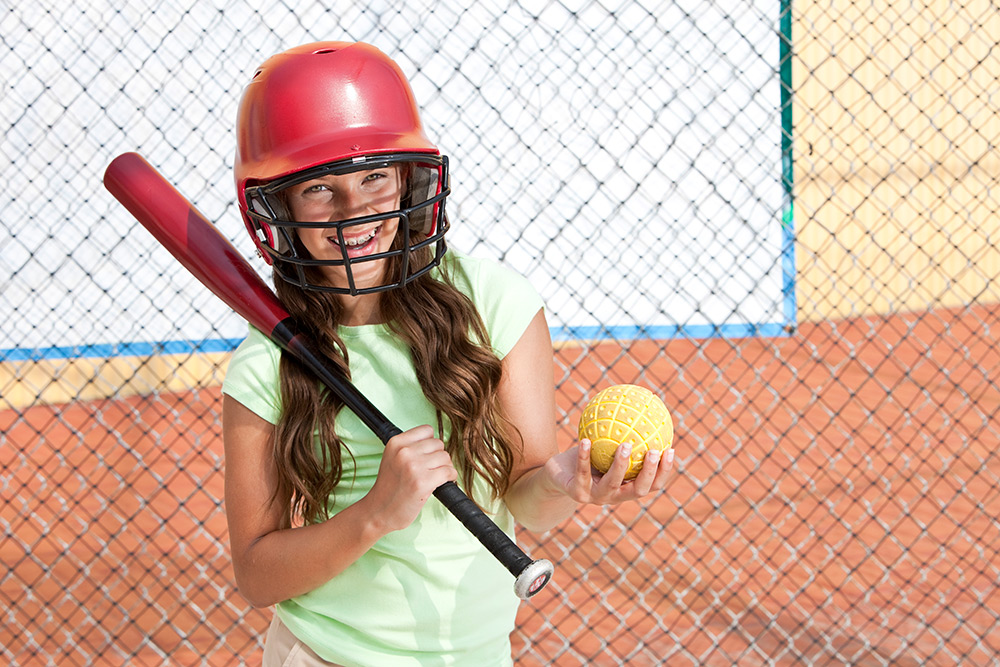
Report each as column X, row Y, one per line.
column 783, row 218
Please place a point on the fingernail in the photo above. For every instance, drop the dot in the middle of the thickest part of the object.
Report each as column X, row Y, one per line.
column 670, row 456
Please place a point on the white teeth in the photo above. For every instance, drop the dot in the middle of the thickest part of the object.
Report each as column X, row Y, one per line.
column 360, row 240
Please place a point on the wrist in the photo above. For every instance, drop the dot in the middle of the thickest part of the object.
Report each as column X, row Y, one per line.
column 539, row 500
column 366, row 523
column 551, row 484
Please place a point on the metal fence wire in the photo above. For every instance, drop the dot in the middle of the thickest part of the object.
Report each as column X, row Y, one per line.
column 782, row 217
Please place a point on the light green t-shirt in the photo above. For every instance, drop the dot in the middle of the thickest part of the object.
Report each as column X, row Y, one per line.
column 430, row 594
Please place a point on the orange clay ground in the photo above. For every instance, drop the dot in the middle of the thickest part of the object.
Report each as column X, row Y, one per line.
column 834, row 501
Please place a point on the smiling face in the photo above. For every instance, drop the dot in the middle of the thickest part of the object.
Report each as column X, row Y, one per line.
column 343, row 197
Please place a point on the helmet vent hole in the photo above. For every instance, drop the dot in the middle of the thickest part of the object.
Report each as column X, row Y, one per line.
column 255, row 75
column 322, row 51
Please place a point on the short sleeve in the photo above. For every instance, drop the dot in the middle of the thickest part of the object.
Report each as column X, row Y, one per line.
column 252, row 376
column 506, row 301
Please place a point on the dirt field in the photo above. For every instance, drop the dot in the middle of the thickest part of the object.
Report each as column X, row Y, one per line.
column 836, row 501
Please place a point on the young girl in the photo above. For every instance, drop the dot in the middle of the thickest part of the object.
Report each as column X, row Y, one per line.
column 344, row 196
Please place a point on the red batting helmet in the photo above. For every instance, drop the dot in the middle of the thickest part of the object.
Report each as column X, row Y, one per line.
column 331, row 108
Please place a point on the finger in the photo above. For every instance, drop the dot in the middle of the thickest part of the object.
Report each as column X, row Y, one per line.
column 441, row 461
column 663, row 470
column 650, row 466
column 615, row 475
column 428, row 446
column 415, row 434
column 583, row 458
column 439, row 474
column 584, row 474
column 420, row 455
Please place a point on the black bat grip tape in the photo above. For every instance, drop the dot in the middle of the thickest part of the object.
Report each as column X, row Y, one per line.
column 493, row 538
column 530, row 575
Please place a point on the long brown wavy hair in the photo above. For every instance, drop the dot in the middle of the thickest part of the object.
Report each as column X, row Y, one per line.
column 457, row 369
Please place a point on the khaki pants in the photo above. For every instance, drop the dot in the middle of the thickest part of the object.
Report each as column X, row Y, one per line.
column 282, row 649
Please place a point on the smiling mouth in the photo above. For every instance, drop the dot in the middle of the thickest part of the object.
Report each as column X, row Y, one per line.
column 360, row 240
column 359, row 245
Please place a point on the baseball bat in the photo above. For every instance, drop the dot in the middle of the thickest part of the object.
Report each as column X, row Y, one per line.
column 214, row 261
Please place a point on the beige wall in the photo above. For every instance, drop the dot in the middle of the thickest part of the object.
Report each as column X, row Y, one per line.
column 896, row 123
column 27, row 383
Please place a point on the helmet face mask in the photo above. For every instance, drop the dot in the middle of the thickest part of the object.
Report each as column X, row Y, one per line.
column 331, row 109
column 421, row 217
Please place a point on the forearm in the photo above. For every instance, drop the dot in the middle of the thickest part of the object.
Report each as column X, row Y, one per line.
column 289, row 562
column 538, row 503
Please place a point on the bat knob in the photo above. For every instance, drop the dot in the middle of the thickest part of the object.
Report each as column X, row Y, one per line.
column 533, row 578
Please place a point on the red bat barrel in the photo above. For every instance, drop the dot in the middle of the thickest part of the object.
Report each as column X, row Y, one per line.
column 192, row 240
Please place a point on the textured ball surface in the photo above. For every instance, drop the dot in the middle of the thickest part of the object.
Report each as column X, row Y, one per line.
column 625, row 414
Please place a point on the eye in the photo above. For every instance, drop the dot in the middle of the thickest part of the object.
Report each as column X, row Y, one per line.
column 312, row 190
column 380, row 180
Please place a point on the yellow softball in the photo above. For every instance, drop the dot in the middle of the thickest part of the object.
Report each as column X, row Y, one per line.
column 625, row 414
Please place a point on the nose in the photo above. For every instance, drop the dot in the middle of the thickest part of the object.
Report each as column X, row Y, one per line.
column 355, row 201
column 351, row 203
